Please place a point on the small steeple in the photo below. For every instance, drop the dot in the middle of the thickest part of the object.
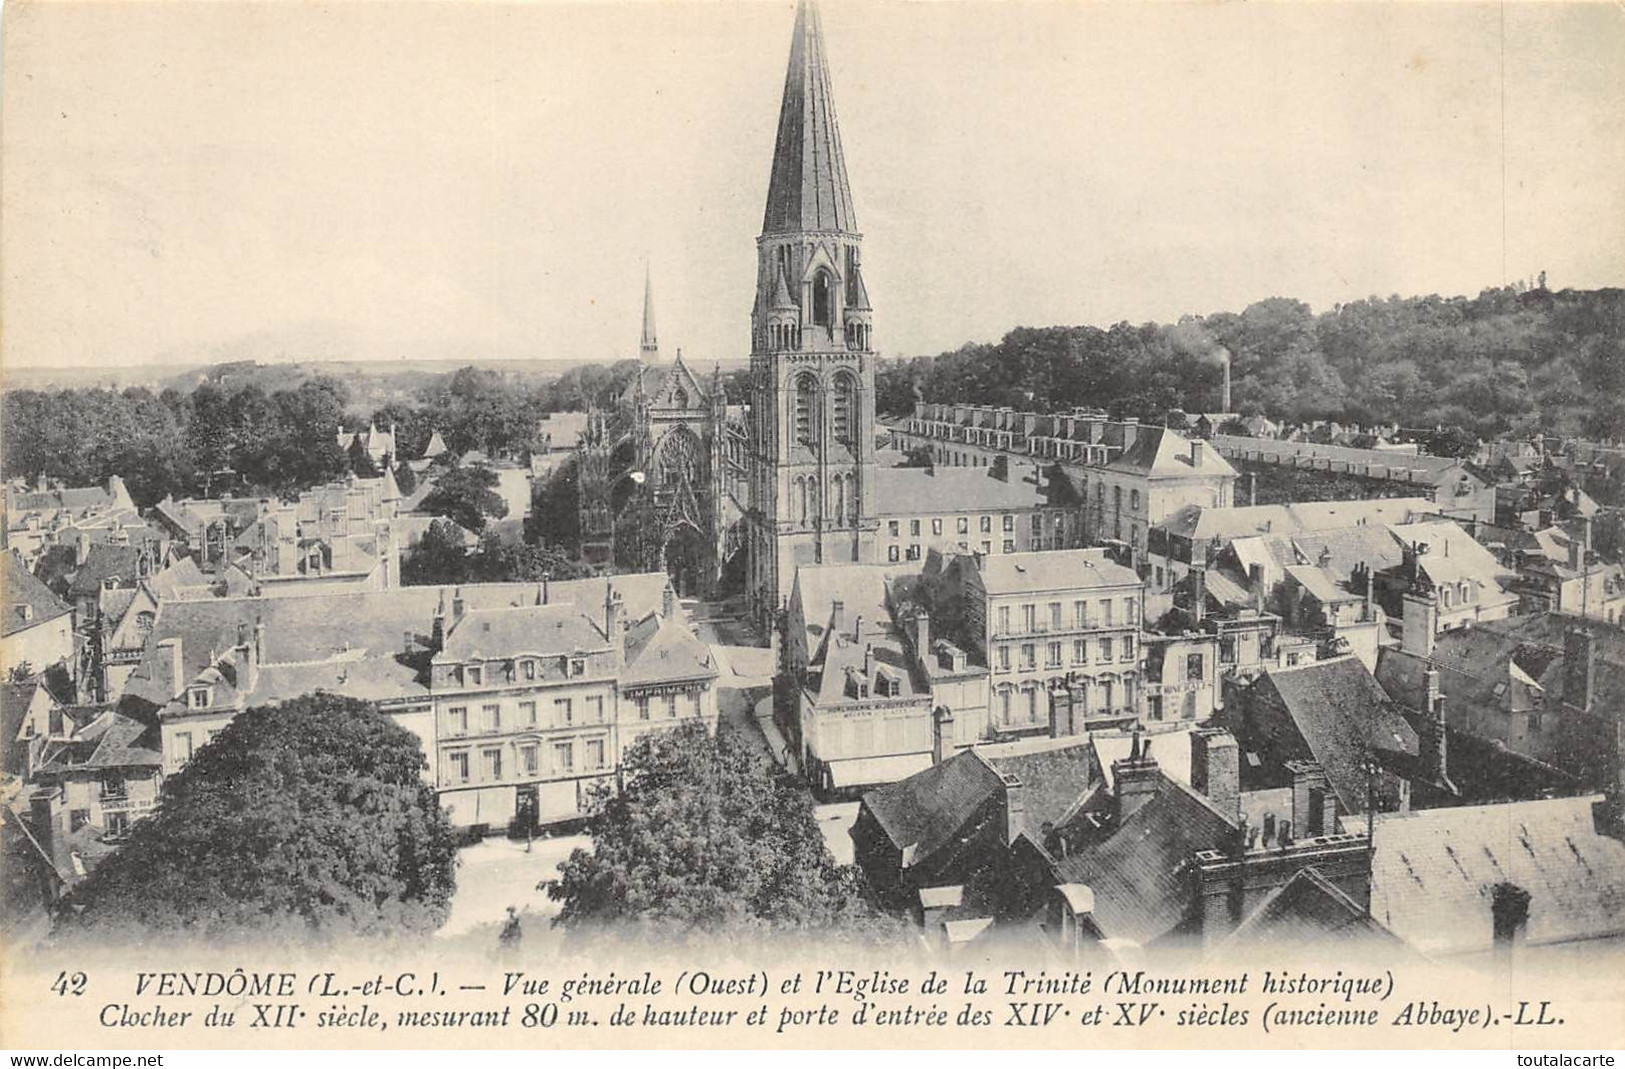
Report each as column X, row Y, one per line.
column 649, row 347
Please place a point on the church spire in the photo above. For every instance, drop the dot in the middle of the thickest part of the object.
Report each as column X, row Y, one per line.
column 649, row 347
column 808, row 189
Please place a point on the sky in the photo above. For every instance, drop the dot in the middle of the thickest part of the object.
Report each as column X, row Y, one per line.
column 193, row 183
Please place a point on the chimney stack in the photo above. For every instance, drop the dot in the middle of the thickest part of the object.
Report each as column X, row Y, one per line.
column 1432, row 740
column 857, row 628
column 922, row 634
column 1224, row 400
column 1216, row 769
column 437, row 632
column 942, row 735
column 1198, row 594
column 1015, row 808
column 1196, row 453
column 458, row 605
column 1135, row 779
column 614, row 615
column 1314, row 804
column 248, row 658
column 169, row 667
column 1509, row 919
column 1579, row 668
column 668, row 602
column 837, row 616
column 1418, row 624
column 1255, row 585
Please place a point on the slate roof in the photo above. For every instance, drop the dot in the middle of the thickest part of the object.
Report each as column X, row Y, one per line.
column 659, row 649
column 1308, row 911
column 1159, row 453
column 360, row 625
column 1061, row 569
column 1142, row 892
column 1338, row 714
column 1434, row 872
column 106, row 562
column 107, row 742
column 22, row 591
column 944, row 491
column 543, row 630
column 927, row 810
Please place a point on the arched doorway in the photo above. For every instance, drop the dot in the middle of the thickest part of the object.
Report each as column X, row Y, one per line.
column 686, row 560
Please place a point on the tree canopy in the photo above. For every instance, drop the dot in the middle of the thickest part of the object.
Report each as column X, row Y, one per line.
column 307, row 818
column 707, row 836
column 1507, row 361
column 466, row 495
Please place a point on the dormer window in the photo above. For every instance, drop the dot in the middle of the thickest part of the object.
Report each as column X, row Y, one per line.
column 198, row 698
column 474, row 675
column 578, row 666
column 528, row 670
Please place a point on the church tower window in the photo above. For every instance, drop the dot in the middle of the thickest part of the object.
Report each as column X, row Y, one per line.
column 845, row 402
column 806, row 392
column 823, row 300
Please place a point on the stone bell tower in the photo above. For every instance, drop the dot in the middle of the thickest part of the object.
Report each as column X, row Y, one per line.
column 811, row 435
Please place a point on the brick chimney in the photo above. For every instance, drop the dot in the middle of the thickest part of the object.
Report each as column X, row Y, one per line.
column 1136, row 778
column 1509, row 919
column 247, row 657
column 1314, row 804
column 1015, row 808
column 942, row 735
column 1579, row 668
column 837, row 616
column 1198, row 594
column 169, row 667
column 1196, row 453
column 1216, row 769
column 437, row 630
column 1418, row 624
column 1433, row 743
column 922, row 634
column 614, row 615
column 1255, row 585
column 458, row 605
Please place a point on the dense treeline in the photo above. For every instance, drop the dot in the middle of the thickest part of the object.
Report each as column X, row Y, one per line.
column 234, row 435
column 1508, row 361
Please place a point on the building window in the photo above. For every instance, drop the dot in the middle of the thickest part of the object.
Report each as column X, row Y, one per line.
column 458, row 763
column 183, row 745
column 492, row 762
column 936, row 526
column 643, row 707
column 1032, row 705
column 492, row 717
column 1004, row 705
column 457, row 720
column 671, row 706
column 1004, row 658
column 1193, row 667
column 892, row 528
column 595, row 709
column 1038, row 524
column 1227, row 649
column 914, row 528
column 200, row 698
column 1134, row 499
column 964, row 525
column 1004, row 620
column 1029, row 618
column 1029, row 656
column 474, row 675
column 1128, row 647
column 578, row 666
column 528, row 670
column 1080, row 651
column 1153, row 707
column 1052, row 655
column 527, row 759
column 893, row 554
column 987, row 524
column 527, row 713
column 564, row 756
column 987, row 547
column 595, row 753
column 1009, row 546
column 1080, row 614
column 1189, row 712
column 914, row 551
column 1009, row 523
column 1105, row 650
column 1054, row 616
column 1131, row 611
column 563, row 712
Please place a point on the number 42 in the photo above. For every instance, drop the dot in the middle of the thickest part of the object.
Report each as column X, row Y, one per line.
column 65, row 984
